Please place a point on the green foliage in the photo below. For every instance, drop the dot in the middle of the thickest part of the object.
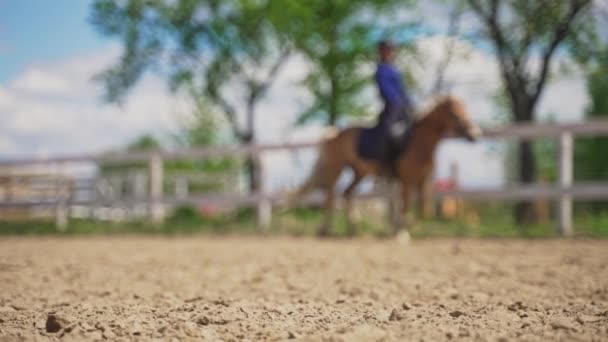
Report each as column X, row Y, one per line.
column 526, row 37
column 209, row 47
column 202, row 128
column 184, row 214
column 591, row 156
column 338, row 38
column 139, row 26
column 495, row 222
column 144, row 142
column 547, row 151
column 204, row 46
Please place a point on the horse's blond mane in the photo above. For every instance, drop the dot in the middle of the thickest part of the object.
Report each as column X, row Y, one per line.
column 430, row 106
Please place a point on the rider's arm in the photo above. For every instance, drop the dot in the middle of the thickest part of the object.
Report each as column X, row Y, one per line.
column 389, row 90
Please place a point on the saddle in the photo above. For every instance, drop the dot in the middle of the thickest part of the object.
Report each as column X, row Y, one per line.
column 376, row 144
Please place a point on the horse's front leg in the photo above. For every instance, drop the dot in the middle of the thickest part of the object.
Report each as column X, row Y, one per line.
column 399, row 204
column 348, row 201
column 401, row 225
column 425, row 200
column 329, row 212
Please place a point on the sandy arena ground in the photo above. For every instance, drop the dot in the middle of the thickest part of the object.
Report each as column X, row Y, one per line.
column 237, row 288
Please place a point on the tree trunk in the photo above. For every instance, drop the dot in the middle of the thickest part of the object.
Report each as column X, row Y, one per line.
column 525, row 212
column 253, row 174
column 252, row 167
column 252, row 164
column 333, row 100
column 333, row 114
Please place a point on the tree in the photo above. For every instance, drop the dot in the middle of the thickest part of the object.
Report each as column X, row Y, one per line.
column 203, row 127
column 338, row 38
column 145, row 142
column 209, row 46
column 590, row 158
column 526, row 36
column 454, row 20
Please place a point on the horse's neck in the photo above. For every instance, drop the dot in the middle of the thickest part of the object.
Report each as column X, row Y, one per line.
column 426, row 136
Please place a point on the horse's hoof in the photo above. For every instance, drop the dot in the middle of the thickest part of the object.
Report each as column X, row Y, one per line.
column 323, row 232
column 403, row 237
column 351, row 231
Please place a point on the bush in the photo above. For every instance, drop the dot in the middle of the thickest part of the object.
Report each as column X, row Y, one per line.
column 185, row 214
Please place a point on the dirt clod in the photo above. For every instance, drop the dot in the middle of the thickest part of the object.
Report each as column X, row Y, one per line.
column 203, row 320
column 108, row 335
column 56, row 322
column 562, row 324
column 516, row 306
column 582, row 319
column 457, row 313
column 395, row 316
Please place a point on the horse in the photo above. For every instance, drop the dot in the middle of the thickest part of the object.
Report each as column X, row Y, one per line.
column 413, row 167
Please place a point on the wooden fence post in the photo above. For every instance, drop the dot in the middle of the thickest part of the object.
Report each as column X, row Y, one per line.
column 156, row 208
column 182, row 188
column 62, row 197
column 566, row 147
column 139, row 185
column 10, row 196
column 264, row 205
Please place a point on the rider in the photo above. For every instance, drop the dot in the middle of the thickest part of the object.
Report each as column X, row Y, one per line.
column 398, row 107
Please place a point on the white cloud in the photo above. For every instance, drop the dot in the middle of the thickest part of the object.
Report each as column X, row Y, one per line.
column 472, row 75
column 5, row 99
column 42, row 82
column 564, row 100
column 6, row 145
column 55, row 108
column 474, row 78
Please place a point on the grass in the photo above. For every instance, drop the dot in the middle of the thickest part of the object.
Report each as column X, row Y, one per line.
column 493, row 222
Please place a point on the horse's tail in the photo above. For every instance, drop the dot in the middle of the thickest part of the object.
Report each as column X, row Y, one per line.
column 316, row 178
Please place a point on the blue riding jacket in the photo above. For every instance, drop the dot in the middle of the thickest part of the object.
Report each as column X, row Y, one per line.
column 391, row 89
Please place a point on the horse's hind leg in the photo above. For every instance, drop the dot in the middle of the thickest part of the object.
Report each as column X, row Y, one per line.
column 328, row 219
column 329, row 185
column 348, row 196
column 399, row 218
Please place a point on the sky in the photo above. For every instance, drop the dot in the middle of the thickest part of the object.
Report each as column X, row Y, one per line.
column 49, row 104
column 34, row 31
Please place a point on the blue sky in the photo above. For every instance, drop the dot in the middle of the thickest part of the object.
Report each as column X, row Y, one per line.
column 49, row 106
column 37, row 31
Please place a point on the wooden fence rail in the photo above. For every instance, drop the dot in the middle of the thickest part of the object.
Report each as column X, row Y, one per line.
column 564, row 192
column 588, row 191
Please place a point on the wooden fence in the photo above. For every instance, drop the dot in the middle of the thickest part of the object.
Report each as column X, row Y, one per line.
column 156, row 200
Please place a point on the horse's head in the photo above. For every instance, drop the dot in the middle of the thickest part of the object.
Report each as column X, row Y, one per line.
column 455, row 119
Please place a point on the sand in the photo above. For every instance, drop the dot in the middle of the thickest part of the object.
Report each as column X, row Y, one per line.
column 240, row 288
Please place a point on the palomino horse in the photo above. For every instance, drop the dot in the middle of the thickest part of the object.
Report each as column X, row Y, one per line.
column 414, row 166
